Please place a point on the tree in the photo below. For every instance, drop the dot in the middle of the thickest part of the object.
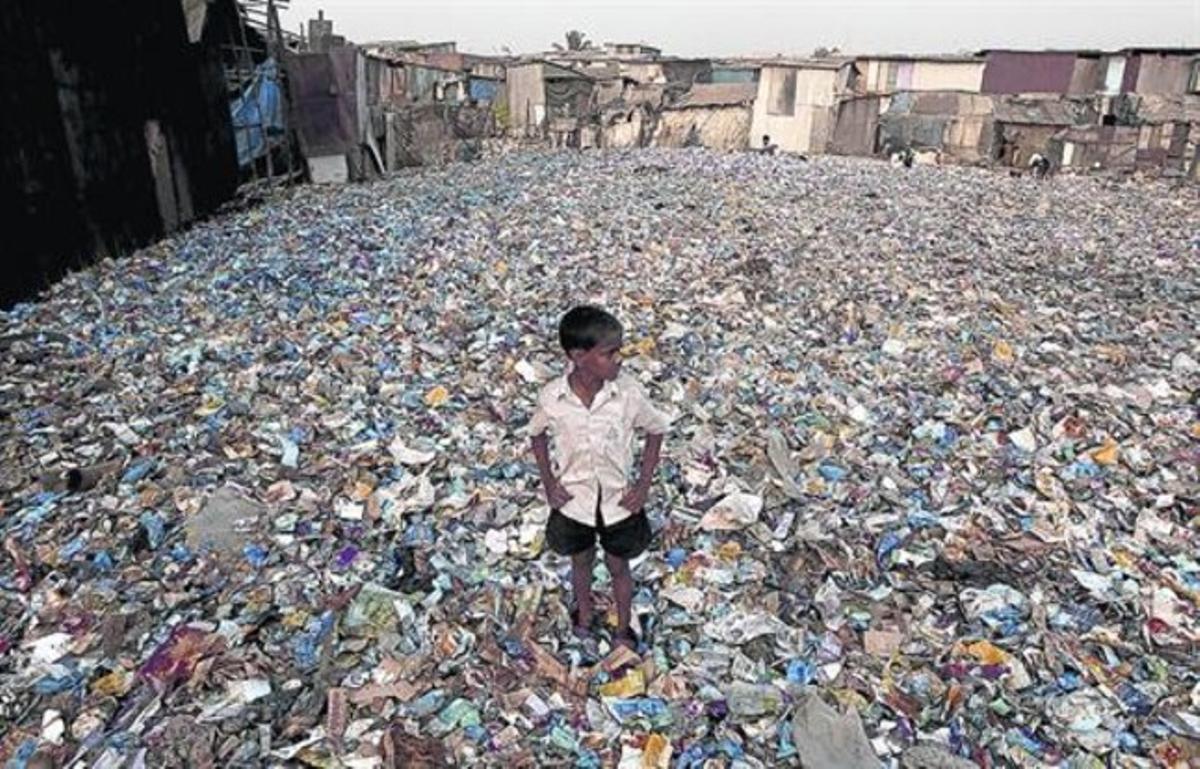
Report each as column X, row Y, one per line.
column 576, row 41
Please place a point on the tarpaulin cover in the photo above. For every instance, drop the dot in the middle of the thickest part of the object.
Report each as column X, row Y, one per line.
column 483, row 90
column 258, row 113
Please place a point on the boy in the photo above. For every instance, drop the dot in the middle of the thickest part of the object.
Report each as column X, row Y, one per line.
column 592, row 412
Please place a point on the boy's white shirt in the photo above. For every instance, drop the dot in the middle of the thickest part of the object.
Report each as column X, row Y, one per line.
column 593, row 448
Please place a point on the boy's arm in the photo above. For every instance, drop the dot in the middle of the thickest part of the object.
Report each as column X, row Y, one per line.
column 656, row 424
column 635, row 497
column 556, row 494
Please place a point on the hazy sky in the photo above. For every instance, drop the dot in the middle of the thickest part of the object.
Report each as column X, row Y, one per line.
column 695, row 27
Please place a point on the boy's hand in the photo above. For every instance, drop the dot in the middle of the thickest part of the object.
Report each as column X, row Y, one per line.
column 556, row 494
column 634, row 498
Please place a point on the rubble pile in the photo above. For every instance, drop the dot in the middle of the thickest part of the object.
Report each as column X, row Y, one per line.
column 931, row 498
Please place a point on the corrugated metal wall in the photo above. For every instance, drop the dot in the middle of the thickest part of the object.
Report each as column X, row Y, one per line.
column 87, row 89
column 1028, row 72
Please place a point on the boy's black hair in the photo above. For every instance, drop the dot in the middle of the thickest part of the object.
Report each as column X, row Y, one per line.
column 585, row 326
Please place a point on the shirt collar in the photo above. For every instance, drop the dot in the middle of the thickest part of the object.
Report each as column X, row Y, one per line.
column 563, row 389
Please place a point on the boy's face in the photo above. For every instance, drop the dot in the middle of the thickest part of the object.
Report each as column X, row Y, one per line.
column 602, row 361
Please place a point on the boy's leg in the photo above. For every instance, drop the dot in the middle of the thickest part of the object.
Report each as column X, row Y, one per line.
column 623, row 541
column 622, row 580
column 582, row 565
column 577, row 542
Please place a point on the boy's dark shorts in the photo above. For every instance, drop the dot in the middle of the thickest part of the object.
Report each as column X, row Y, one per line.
column 626, row 539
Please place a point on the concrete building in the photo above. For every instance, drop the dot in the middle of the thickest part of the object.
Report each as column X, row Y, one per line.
column 320, row 35
column 319, row 28
column 890, row 73
column 796, row 101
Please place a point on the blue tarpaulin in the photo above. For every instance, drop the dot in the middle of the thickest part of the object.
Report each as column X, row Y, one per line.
column 258, row 113
column 483, row 90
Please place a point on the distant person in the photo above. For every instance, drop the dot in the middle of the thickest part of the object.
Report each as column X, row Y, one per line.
column 1039, row 165
column 767, row 147
column 591, row 413
column 904, row 157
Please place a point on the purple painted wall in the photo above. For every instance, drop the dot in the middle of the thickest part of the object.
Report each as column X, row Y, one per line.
column 1028, row 72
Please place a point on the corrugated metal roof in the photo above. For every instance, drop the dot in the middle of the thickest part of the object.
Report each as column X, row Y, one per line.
column 942, row 58
column 608, row 71
column 409, row 45
column 1053, row 111
column 718, row 95
column 831, row 63
column 1057, row 51
column 552, row 71
column 1167, row 108
column 647, row 46
column 1166, row 50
